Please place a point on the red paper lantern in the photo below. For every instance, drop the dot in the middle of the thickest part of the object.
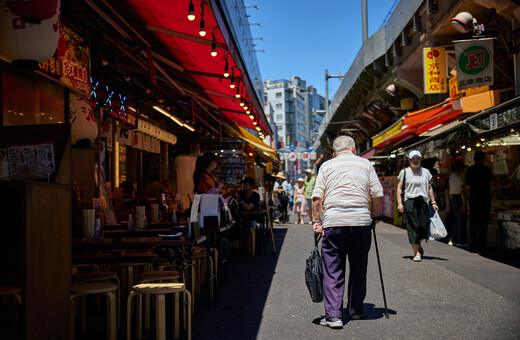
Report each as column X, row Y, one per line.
column 35, row 10
column 82, row 120
column 27, row 38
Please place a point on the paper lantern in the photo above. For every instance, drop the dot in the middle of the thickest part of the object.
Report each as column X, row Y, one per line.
column 34, row 10
column 390, row 89
column 84, row 128
column 24, row 39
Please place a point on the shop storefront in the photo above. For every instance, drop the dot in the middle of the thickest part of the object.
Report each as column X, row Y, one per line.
column 494, row 131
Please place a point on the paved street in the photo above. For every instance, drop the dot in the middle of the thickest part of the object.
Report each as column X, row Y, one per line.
column 451, row 294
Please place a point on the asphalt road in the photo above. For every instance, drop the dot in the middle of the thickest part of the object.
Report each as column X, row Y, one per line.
column 451, row 294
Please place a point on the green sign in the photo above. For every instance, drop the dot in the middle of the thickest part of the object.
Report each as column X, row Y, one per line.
column 474, row 60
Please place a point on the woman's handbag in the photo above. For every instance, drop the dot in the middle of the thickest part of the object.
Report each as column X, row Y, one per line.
column 314, row 272
column 437, row 229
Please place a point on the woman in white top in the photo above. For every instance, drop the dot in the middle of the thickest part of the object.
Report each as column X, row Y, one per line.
column 414, row 203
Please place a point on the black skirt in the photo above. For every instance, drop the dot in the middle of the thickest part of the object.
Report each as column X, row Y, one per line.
column 417, row 219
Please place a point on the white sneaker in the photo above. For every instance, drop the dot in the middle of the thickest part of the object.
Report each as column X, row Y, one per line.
column 450, row 243
column 332, row 323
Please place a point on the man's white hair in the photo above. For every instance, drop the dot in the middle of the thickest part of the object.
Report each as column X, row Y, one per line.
column 343, row 143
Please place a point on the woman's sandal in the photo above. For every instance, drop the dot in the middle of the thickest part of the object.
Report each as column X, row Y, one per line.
column 417, row 258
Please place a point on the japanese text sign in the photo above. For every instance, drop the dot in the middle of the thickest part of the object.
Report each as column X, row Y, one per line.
column 435, row 70
column 474, row 63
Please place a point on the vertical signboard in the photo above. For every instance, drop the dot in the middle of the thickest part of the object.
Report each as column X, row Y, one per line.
column 474, row 63
column 435, row 70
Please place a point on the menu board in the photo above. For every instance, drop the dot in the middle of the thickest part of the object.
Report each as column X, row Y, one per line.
column 231, row 170
column 31, row 161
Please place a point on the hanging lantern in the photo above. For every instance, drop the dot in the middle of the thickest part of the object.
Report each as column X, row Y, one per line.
column 26, row 39
column 33, row 10
column 390, row 89
column 84, row 128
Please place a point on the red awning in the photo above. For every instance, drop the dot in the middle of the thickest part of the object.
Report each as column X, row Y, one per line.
column 186, row 51
column 371, row 152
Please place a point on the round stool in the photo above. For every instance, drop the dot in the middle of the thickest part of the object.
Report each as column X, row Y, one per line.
column 101, row 276
column 11, row 290
column 159, row 290
column 106, row 288
column 156, row 276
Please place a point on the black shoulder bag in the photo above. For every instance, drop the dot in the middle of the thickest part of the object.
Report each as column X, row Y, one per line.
column 314, row 272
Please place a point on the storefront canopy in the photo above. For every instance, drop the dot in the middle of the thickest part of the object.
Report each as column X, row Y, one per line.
column 254, row 141
column 173, row 45
column 413, row 124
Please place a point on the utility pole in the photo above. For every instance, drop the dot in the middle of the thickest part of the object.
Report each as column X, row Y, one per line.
column 327, row 76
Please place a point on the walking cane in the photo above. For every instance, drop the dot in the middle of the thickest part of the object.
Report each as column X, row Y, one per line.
column 379, row 265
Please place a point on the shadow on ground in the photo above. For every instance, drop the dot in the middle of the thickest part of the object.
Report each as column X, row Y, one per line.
column 372, row 314
column 237, row 311
column 427, row 258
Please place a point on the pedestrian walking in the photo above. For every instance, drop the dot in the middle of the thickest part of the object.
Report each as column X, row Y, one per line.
column 412, row 201
column 478, row 178
column 291, row 194
column 309, row 182
column 300, row 205
column 343, row 190
column 281, row 189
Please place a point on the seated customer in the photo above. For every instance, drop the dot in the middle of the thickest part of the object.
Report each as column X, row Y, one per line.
column 154, row 189
column 249, row 200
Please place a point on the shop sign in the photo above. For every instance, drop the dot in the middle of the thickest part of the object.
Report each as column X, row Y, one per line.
column 474, row 60
column 441, row 142
column 435, row 70
column 497, row 120
column 305, row 156
column 292, row 156
column 282, row 156
column 392, row 131
column 454, row 90
column 312, row 155
column 70, row 64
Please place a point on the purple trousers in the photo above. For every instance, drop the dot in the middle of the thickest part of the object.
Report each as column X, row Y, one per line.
column 337, row 244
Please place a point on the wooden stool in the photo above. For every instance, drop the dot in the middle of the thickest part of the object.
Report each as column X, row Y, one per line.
column 12, row 291
column 97, row 277
column 159, row 290
column 107, row 288
column 156, row 276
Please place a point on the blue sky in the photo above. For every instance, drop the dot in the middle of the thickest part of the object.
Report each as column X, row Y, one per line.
column 306, row 37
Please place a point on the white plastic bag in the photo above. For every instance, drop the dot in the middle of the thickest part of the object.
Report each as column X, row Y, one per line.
column 437, row 229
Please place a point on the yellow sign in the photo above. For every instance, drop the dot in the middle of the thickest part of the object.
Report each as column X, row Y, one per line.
column 435, row 70
column 389, row 133
column 454, row 90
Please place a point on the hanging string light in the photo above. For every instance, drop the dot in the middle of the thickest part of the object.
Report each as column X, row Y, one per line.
column 202, row 31
column 214, row 45
column 191, row 11
column 232, row 83
column 226, row 67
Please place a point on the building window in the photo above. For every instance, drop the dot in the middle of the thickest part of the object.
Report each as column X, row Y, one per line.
column 31, row 101
column 279, row 106
column 279, row 117
column 278, row 95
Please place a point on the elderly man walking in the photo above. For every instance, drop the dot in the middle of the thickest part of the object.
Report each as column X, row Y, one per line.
column 343, row 190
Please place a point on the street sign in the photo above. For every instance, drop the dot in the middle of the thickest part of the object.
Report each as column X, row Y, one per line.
column 305, row 156
column 474, row 63
column 292, row 156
